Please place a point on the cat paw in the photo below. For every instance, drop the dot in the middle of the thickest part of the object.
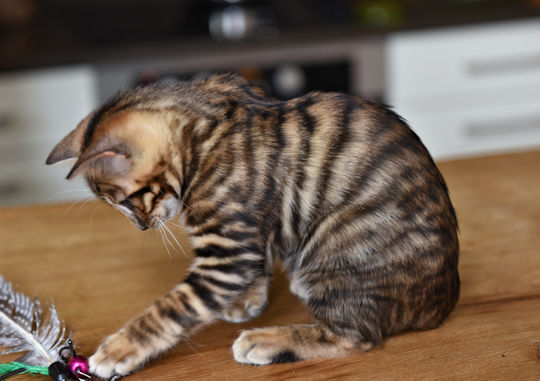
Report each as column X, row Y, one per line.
column 239, row 313
column 117, row 356
column 262, row 347
column 249, row 306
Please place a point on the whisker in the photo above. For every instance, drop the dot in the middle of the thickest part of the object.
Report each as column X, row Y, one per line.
column 174, row 238
column 71, row 205
column 93, row 213
column 184, row 204
column 82, row 205
column 75, row 203
column 190, row 342
column 164, row 229
column 163, row 240
column 163, row 222
column 180, row 201
column 80, row 190
column 173, row 224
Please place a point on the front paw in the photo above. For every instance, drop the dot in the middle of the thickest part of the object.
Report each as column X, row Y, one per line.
column 249, row 305
column 117, row 356
column 243, row 311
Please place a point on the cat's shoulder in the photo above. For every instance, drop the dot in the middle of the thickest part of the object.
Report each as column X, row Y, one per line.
column 231, row 84
column 342, row 102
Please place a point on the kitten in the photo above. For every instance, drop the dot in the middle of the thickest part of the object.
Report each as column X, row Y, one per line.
column 338, row 189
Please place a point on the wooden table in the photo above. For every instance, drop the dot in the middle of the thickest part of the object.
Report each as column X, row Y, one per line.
column 101, row 271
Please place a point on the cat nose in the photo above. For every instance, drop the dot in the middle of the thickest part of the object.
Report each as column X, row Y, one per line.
column 143, row 227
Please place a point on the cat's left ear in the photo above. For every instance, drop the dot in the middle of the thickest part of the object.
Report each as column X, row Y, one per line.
column 71, row 146
column 109, row 155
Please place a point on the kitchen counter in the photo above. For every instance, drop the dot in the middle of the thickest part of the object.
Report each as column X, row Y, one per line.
column 101, row 271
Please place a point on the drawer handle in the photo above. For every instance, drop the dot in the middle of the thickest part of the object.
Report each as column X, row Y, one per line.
column 6, row 122
column 503, row 127
column 9, row 189
column 504, row 65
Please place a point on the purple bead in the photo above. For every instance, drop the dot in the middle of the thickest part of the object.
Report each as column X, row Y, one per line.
column 78, row 364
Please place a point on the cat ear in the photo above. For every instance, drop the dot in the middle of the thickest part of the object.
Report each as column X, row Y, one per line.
column 70, row 147
column 109, row 155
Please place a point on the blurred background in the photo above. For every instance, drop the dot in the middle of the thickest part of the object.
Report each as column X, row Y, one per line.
column 465, row 74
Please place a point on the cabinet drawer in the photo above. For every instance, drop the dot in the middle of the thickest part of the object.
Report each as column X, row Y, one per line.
column 463, row 59
column 23, row 149
column 33, row 182
column 467, row 132
column 37, row 109
column 470, row 100
column 45, row 102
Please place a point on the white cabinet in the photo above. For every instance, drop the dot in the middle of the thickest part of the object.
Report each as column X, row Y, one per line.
column 37, row 109
column 468, row 90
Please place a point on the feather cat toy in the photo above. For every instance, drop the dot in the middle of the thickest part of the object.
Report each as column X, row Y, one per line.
column 24, row 328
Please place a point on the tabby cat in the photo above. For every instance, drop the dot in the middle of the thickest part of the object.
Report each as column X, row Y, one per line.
column 338, row 189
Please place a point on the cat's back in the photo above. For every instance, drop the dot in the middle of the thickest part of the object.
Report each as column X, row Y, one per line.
column 339, row 124
column 352, row 151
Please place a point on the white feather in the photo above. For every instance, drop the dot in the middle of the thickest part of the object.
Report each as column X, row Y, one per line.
column 24, row 328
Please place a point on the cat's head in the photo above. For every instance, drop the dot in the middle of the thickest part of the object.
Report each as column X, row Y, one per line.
column 125, row 159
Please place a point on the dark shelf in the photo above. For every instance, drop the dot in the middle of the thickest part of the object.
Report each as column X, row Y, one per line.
column 85, row 31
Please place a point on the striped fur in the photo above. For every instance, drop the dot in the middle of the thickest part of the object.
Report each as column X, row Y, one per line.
column 338, row 189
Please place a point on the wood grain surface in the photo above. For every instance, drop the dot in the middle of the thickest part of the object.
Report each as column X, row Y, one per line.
column 101, row 271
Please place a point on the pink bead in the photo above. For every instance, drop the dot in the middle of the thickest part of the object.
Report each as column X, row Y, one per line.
column 78, row 364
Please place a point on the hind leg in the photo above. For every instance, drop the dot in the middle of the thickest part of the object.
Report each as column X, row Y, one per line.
column 292, row 343
column 347, row 323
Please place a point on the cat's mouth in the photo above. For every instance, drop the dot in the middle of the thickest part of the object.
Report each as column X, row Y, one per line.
column 155, row 222
column 140, row 223
column 163, row 212
column 152, row 223
column 143, row 227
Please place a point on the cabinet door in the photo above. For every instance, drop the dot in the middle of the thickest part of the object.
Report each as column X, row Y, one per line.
column 37, row 109
column 481, row 130
column 462, row 59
